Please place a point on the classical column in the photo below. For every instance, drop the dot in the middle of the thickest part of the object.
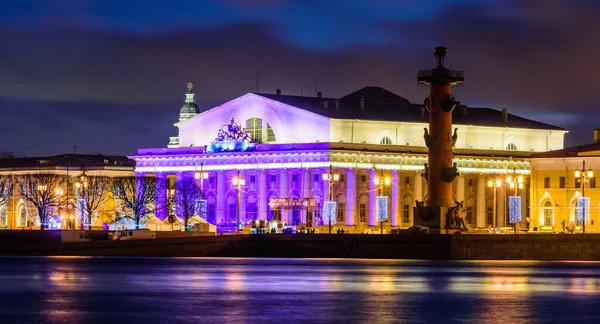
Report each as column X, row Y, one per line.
column 460, row 188
column 162, row 210
column 262, row 195
column 395, row 216
column 306, row 189
column 242, row 196
column 350, row 197
column 372, row 199
column 480, row 214
column 221, row 187
column 418, row 188
column 501, row 201
column 284, row 193
column 178, row 180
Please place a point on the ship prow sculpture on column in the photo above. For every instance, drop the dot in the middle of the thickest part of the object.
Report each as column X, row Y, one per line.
column 439, row 210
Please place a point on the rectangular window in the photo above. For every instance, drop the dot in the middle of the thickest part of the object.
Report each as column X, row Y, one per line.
column 469, row 215
column 211, row 180
column 470, row 182
column 315, row 178
column 547, row 182
column 593, row 182
column 294, row 177
column 252, row 179
column 562, row 182
column 341, row 177
column 363, row 178
column 232, row 213
column 362, row 213
column 211, row 213
column 490, row 215
column 341, row 212
column 406, row 214
column 273, row 178
column 406, row 180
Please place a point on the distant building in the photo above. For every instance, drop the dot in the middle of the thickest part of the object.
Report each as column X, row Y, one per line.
column 17, row 213
column 364, row 135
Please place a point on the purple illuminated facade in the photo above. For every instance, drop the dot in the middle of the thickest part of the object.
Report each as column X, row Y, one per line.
column 292, row 140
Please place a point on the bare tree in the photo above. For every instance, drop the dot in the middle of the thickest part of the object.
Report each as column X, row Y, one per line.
column 6, row 189
column 93, row 194
column 137, row 196
column 187, row 194
column 40, row 191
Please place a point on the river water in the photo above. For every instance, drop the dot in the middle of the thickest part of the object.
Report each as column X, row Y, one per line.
column 211, row 290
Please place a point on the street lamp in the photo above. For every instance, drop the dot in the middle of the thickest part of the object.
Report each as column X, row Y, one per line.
column 494, row 184
column 238, row 181
column 200, row 176
column 330, row 177
column 381, row 182
column 583, row 175
column 59, row 193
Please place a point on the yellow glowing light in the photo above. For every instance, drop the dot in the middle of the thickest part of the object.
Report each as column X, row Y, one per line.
column 388, row 181
column 491, row 183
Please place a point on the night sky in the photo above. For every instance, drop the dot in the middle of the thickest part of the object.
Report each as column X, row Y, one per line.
column 109, row 76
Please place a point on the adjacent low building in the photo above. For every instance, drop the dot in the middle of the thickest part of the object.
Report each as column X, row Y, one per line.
column 61, row 189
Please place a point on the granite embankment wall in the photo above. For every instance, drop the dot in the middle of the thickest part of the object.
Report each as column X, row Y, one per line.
column 433, row 247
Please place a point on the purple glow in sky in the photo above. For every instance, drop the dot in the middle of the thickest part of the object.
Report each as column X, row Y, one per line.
column 110, row 76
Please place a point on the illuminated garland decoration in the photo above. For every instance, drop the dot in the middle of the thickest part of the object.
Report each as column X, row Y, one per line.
column 329, row 212
column 201, row 208
column 583, row 203
column 54, row 223
column 514, row 209
column 381, row 208
column 231, row 138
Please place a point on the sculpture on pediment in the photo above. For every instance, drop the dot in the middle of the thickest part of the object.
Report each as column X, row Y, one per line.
column 232, row 132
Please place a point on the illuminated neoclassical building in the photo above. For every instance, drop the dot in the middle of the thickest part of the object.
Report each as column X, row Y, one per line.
column 367, row 134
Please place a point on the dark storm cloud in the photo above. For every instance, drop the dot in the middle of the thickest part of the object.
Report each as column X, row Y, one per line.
column 125, row 77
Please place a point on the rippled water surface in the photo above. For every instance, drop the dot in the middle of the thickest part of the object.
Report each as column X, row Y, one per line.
column 207, row 290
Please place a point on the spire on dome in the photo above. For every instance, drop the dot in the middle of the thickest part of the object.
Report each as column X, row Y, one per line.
column 189, row 108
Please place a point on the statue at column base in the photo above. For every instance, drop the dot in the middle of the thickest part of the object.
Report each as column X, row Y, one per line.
column 427, row 216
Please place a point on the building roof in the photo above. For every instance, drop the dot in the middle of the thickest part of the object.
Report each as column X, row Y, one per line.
column 67, row 161
column 383, row 105
column 591, row 149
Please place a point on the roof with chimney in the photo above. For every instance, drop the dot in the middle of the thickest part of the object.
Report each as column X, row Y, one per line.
column 383, row 105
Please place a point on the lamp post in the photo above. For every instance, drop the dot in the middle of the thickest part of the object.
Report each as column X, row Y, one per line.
column 330, row 177
column 200, row 176
column 583, row 175
column 381, row 181
column 238, row 181
column 59, row 192
column 494, row 184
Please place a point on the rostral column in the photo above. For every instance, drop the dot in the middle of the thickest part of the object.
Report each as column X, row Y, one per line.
column 440, row 171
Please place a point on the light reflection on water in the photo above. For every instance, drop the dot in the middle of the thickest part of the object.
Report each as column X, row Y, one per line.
column 160, row 290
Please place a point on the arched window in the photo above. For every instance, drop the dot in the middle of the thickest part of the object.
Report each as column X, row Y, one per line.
column 548, row 214
column 23, row 216
column 3, row 220
column 386, row 141
column 270, row 134
column 254, row 128
column 511, row 147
